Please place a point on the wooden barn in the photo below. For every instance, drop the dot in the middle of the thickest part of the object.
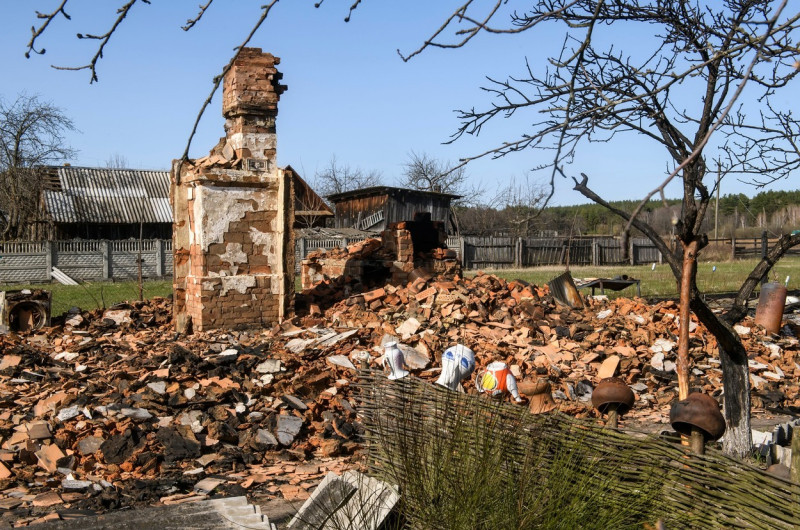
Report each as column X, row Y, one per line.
column 375, row 208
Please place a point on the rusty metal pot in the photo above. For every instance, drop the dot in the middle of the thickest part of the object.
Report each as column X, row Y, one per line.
column 698, row 416
column 614, row 397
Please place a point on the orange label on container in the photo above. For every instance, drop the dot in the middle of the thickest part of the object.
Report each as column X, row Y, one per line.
column 495, row 381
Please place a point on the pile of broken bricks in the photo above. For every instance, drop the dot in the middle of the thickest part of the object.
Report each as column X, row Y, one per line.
column 112, row 408
column 523, row 326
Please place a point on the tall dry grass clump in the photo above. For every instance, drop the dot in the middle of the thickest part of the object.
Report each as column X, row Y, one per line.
column 464, row 463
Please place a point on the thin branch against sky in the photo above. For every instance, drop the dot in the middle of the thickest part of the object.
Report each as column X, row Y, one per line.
column 349, row 94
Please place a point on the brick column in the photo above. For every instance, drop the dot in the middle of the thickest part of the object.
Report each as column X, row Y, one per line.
column 233, row 211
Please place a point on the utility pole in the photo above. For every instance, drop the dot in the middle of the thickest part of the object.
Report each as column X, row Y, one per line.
column 139, row 261
column 716, row 205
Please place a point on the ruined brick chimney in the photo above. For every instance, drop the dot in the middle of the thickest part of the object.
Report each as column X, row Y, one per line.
column 233, row 212
column 250, row 94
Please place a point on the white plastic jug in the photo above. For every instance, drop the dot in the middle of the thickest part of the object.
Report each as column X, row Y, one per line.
column 393, row 358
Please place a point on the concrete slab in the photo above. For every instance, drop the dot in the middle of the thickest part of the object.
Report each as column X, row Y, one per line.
column 354, row 501
column 329, row 497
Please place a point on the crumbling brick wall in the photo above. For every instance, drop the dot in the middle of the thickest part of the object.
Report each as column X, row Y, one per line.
column 390, row 259
column 233, row 212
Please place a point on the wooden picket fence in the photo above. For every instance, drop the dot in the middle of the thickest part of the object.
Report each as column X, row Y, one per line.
column 32, row 261
column 514, row 252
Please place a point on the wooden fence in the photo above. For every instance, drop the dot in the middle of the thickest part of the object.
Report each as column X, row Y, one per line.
column 305, row 246
column 32, row 261
column 508, row 252
column 511, row 252
column 744, row 247
column 92, row 260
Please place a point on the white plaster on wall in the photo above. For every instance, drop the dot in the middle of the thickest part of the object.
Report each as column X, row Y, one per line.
column 266, row 239
column 276, row 284
column 233, row 255
column 189, row 198
column 219, row 206
column 240, row 284
column 252, row 141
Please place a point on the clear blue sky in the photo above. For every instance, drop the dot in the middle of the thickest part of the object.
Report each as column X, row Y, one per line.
column 349, row 93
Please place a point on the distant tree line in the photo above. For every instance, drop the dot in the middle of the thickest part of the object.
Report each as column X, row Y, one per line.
column 515, row 210
column 762, row 208
column 775, row 211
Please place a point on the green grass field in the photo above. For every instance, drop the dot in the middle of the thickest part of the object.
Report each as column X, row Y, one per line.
column 660, row 282
column 657, row 282
column 96, row 294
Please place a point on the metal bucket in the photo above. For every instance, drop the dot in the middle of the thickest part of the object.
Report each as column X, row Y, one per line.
column 24, row 310
column 771, row 303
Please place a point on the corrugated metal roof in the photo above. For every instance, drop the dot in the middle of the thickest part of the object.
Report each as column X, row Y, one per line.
column 101, row 195
column 388, row 190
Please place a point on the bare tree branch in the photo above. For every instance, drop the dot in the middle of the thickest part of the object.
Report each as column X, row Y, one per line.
column 37, row 32
column 674, row 264
column 721, row 119
column 353, row 7
column 122, row 12
column 458, row 14
column 461, row 15
column 423, row 172
column 192, row 21
column 339, row 178
column 31, row 134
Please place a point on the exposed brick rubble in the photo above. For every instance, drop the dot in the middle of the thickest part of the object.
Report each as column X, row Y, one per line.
column 522, row 325
column 401, row 249
column 112, row 408
column 233, row 247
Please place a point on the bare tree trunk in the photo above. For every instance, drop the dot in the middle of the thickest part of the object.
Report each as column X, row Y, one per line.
column 738, row 440
column 688, row 274
column 738, row 437
column 624, row 239
column 733, row 356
